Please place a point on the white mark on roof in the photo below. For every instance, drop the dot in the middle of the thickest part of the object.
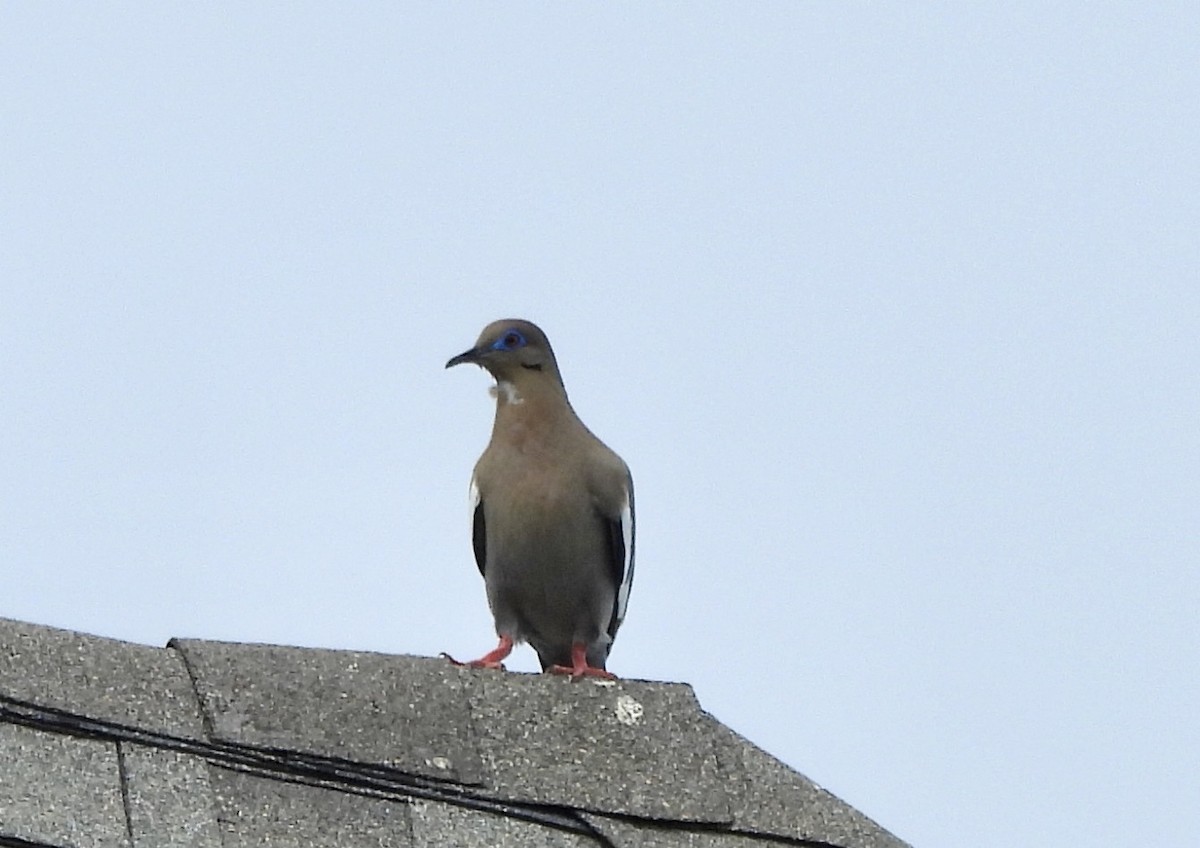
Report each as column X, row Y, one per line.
column 628, row 710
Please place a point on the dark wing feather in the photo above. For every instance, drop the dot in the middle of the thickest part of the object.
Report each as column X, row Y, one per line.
column 479, row 536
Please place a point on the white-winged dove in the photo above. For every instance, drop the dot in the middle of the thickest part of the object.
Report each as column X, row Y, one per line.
column 552, row 512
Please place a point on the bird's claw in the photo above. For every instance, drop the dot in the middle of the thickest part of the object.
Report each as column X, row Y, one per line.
column 580, row 672
column 481, row 663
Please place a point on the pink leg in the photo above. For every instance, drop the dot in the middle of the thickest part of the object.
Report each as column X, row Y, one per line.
column 579, row 666
column 492, row 659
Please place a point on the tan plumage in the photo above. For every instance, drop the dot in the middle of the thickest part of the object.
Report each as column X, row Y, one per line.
column 552, row 512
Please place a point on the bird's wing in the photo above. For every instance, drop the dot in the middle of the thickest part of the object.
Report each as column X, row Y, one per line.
column 621, row 533
column 478, row 530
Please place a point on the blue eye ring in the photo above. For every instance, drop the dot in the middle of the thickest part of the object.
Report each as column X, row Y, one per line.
column 511, row 340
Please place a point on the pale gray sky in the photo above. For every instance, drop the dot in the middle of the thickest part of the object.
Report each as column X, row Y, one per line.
column 892, row 309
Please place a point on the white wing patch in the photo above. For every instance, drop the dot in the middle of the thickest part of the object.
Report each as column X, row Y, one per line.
column 475, row 498
column 627, row 533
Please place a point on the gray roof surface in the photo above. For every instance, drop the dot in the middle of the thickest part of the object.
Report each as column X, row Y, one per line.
column 216, row 745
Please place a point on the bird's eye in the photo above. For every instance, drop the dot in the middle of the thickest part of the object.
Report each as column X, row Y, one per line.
column 509, row 341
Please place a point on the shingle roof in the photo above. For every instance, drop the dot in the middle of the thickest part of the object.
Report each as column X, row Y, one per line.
column 216, row 745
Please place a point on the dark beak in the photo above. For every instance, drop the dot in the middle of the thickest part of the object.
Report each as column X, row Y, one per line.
column 471, row 355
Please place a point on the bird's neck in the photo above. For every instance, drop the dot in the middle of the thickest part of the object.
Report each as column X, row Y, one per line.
column 530, row 406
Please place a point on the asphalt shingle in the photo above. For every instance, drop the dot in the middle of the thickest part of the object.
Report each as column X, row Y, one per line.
column 401, row 713
column 625, row 747
column 103, row 679
column 438, row 824
column 623, row 833
column 772, row 798
column 169, row 797
column 254, row 811
column 60, row 790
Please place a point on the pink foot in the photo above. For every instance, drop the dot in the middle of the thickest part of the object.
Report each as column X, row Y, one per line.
column 492, row 659
column 579, row 666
